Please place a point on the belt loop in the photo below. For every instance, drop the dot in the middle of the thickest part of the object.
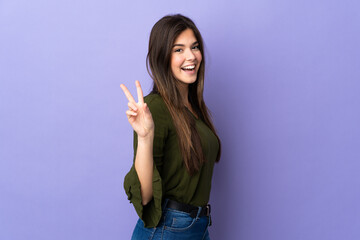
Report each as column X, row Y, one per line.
column 198, row 212
column 208, row 209
column 166, row 200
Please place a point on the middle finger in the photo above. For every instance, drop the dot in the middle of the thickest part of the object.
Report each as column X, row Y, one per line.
column 127, row 93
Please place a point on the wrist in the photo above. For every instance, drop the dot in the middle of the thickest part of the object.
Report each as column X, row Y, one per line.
column 146, row 139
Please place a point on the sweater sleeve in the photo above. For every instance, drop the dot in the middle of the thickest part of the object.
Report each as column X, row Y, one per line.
column 150, row 213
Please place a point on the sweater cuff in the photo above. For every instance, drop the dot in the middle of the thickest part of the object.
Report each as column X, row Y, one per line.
column 150, row 214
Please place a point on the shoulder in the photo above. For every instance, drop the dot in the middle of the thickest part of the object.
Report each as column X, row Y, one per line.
column 153, row 98
column 156, row 104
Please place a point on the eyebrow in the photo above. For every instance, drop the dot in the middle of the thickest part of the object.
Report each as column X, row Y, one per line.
column 182, row 45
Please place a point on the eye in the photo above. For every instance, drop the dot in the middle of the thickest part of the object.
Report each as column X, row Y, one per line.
column 197, row 47
column 178, row 50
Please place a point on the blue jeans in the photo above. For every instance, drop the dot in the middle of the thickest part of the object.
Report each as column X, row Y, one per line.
column 174, row 225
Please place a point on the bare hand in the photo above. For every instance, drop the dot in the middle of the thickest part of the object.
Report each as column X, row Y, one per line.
column 139, row 114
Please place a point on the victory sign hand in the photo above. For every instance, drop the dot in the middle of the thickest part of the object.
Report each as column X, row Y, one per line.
column 139, row 114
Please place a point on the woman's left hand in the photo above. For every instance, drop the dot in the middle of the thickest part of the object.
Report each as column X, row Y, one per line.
column 139, row 114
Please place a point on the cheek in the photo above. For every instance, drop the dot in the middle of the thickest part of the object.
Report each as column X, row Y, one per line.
column 174, row 68
column 199, row 57
column 176, row 63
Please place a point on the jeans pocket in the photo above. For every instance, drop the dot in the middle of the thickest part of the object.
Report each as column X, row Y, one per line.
column 178, row 221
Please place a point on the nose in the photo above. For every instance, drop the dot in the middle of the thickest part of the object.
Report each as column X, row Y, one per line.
column 190, row 55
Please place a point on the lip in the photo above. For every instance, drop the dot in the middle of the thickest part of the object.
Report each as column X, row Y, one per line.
column 189, row 65
column 192, row 72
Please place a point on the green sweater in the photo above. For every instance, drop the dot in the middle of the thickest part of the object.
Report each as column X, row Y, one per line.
column 170, row 178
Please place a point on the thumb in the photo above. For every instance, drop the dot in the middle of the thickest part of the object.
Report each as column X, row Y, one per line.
column 146, row 107
column 147, row 110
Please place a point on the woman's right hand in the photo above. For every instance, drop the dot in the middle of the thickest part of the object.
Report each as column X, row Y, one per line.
column 139, row 114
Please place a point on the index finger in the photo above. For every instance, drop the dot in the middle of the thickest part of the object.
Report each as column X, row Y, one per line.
column 127, row 93
column 139, row 92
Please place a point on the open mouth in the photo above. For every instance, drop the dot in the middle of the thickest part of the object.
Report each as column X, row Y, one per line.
column 190, row 68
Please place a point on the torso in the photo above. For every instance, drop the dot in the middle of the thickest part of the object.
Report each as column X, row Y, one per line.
column 193, row 112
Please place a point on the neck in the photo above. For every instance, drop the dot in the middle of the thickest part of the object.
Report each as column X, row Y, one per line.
column 184, row 91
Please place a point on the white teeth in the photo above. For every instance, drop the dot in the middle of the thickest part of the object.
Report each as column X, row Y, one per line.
column 189, row 67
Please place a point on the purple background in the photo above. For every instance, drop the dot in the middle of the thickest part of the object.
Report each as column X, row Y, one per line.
column 283, row 84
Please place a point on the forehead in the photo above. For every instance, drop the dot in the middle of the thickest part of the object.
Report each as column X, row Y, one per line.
column 186, row 37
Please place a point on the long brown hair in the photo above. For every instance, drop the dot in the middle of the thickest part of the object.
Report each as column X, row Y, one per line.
column 162, row 38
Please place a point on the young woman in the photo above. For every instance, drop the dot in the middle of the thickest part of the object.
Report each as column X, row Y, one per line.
column 175, row 143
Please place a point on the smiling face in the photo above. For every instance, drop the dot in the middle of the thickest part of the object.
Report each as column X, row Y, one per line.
column 186, row 57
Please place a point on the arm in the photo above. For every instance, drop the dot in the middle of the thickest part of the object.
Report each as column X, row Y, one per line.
column 135, row 190
column 144, row 166
column 140, row 118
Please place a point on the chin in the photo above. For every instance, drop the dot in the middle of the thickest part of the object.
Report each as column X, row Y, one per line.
column 188, row 82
